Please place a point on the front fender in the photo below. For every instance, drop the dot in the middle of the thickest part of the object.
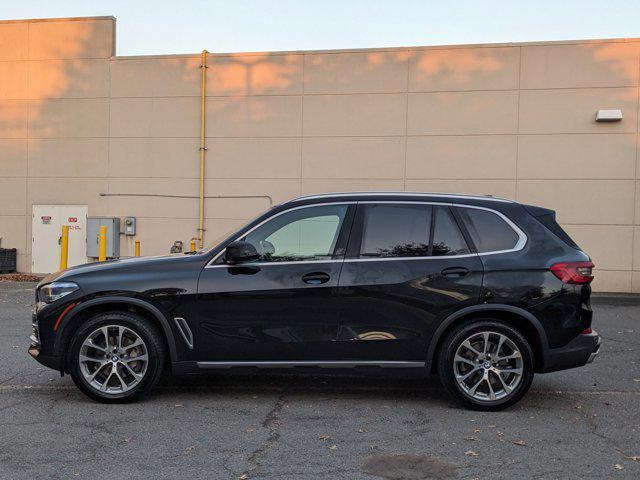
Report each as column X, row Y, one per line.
column 61, row 338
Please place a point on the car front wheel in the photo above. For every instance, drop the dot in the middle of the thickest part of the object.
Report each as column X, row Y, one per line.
column 116, row 357
column 486, row 364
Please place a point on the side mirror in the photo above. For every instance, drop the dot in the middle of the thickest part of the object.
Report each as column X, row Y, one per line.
column 240, row 252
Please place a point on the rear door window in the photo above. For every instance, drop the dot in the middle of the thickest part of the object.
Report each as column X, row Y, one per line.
column 447, row 238
column 488, row 231
column 395, row 230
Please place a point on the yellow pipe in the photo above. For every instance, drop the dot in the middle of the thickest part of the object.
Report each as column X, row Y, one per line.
column 64, row 247
column 203, row 146
column 137, row 248
column 102, row 244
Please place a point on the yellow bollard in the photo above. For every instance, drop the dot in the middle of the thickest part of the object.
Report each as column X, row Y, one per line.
column 64, row 247
column 137, row 248
column 192, row 245
column 102, row 244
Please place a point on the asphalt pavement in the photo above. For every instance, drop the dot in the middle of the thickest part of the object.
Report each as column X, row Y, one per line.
column 581, row 423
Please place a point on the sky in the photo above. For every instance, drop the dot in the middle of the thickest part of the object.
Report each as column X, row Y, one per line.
column 186, row 26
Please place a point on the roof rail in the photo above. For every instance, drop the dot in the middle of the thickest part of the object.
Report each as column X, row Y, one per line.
column 403, row 193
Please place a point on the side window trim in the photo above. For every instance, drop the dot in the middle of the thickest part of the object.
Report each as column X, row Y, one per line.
column 353, row 220
column 346, row 226
column 355, row 240
column 432, row 229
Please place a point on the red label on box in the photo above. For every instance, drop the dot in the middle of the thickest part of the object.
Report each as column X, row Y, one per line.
column 73, row 219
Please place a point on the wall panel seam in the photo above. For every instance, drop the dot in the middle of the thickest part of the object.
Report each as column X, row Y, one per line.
column 635, row 189
column 406, row 120
column 518, row 119
column 28, row 244
column 304, row 61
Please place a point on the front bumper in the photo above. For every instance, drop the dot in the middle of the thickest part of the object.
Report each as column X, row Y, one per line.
column 578, row 352
column 35, row 347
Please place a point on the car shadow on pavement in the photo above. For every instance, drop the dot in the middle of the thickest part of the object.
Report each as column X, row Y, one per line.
column 370, row 385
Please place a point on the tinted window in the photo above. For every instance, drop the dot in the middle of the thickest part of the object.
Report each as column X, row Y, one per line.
column 395, row 230
column 489, row 232
column 304, row 234
column 447, row 238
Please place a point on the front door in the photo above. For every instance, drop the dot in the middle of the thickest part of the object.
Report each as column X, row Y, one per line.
column 408, row 266
column 282, row 307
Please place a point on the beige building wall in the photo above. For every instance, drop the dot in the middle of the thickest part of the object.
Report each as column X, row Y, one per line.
column 120, row 134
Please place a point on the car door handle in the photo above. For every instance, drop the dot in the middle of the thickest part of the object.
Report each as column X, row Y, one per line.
column 455, row 271
column 316, row 278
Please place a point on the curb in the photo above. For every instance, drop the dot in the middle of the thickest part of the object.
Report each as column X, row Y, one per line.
column 615, row 299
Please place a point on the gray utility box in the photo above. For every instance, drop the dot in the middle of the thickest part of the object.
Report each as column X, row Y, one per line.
column 113, row 236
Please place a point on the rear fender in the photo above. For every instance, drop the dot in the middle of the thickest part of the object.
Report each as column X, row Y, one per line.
column 485, row 309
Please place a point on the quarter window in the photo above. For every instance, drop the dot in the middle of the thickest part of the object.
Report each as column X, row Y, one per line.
column 489, row 232
column 395, row 230
column 307, row 233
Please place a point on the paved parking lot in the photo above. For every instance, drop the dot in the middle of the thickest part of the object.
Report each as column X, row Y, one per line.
column 583, row 423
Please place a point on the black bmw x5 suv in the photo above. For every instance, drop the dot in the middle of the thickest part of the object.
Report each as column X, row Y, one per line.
column 485, row 292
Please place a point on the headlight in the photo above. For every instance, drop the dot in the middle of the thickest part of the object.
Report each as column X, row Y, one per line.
column 56, row 290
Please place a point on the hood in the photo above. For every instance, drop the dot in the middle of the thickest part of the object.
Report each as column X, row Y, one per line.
column 111, row 265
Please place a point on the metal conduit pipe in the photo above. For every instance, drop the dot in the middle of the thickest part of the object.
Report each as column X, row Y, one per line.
column 203, row 146
column 168, row 195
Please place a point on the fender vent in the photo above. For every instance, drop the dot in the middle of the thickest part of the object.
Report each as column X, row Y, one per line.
column 185, row 331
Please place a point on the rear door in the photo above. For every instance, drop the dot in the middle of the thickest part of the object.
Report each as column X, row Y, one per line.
column 407, row 267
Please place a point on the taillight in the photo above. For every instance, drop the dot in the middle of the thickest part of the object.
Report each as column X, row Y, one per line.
column 573, row 272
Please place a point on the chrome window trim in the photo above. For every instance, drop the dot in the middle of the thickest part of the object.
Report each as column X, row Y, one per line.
column 267, row 264
column 522, row 237
column 210, row 264
column 387, row 259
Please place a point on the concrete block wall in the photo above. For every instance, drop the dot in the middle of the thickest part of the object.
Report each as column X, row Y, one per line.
column 515, row 121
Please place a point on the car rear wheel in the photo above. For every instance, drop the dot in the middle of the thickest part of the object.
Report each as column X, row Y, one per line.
column 486, row 364
column 116, row 357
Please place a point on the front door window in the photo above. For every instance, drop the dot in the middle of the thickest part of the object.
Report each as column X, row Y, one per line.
column 303, row 234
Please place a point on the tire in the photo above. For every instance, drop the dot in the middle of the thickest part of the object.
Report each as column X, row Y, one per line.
column 494, row 374
column 103, row 378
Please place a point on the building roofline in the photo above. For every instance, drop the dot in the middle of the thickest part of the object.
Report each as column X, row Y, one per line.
column 594, row 41
column 61, row 19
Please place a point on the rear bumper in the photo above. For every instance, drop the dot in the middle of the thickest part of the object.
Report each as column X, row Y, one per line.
column 581, row 350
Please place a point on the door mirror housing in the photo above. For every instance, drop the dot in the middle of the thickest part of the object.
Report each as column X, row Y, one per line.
column 240, row 252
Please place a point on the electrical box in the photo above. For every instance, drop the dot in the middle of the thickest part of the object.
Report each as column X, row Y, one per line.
column 113, row 236
column 130, row 226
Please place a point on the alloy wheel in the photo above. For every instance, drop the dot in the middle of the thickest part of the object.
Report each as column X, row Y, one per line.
column 113, row 359
column 488, row 366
